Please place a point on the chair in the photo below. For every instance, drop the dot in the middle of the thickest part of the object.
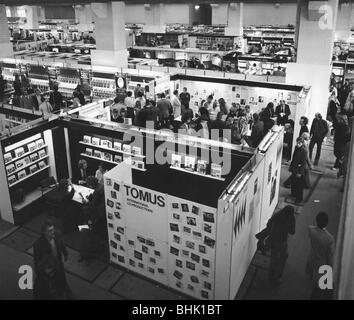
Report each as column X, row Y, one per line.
column 47, row 183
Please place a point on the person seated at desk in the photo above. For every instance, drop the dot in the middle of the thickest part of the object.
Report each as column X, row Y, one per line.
column 82, row 165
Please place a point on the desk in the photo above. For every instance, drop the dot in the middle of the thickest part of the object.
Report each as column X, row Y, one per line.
column 84, row 191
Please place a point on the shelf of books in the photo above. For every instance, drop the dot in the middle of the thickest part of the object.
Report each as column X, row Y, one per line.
column 26, row 159
column 112, row 151
column 196, row 166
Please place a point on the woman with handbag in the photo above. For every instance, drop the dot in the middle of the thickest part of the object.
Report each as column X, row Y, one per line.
column 297, row 168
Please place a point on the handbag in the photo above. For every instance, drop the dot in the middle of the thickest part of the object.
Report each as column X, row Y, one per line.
column 263, row 243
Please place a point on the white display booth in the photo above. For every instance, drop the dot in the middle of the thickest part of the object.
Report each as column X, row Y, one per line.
column 200, row 250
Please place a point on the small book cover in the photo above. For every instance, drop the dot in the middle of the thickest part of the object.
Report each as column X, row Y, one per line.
column 176, row 160
column 107, row 156
column 87, row 139
column 126, row 148
column 88, row 151
column 42, row 153
column 19, row 164
column 138, row 164
column 33, row 168
column 136, row 151
column 27, row 160
column 19, row 152
column 32, row 146
column 189, row 163
column 10, row 168
column 97, row 154
column 215, row 170
column 95, row 141
column 12, row 179
column 41, row 164
column 109, row 144
column 21, row 175
column 117, row 146
column 118, row 159
column 34, row 156
column 201, row 166
column 7, row 157
column 104, row 143
column 40, row 143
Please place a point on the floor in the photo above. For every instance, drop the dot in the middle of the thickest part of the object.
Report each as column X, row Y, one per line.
column 97, row 279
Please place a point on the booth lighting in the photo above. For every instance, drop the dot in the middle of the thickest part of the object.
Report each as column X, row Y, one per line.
column 242, row 183
column 196, row 7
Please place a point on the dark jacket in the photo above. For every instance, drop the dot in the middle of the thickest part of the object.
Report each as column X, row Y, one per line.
column 298, row 162
column 303, row 129
column 96, row 204
column 280, row 225
column 35, row 102
column 164, row 107
column 185, row 97
column 319, row 129
column 278, row 111
column 56, row 100
column 257, row 133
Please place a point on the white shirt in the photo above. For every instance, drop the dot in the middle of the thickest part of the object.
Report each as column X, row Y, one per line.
column 176, row 106
column 129, row 102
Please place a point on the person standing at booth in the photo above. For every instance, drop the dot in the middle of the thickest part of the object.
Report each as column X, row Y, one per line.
column 318, row 132
column 176, row 104
column 280, row 225
column 37, row 99
column 297, row 169
column 56, row 99
column 282, row 111
column 45, row 107
column 185, row 98
column 165, row 108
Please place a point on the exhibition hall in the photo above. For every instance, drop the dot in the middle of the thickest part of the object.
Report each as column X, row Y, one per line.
column 176, row 150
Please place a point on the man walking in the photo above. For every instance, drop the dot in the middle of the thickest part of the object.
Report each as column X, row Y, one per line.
column 318, row 132
column 280, row 225
column 321, row 253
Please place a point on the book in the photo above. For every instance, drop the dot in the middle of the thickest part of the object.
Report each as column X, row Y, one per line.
column 176, row 160
column 42, row 153
column 33, row 168
column 34, row 156
column 7, row 157
column 138, row 164
column 136, row 151
column 109, row 144
column 41, row 164
column 189, row 163
column 21, row 175
column 32, row 146
column 107, row 156
column 27, row 160
column 95, row 141
column 19, row 152
column 19, row 164
column 201, row 166
column 88, row 151
column 86, row 139
column 40, row 143
column 10, row 168
column 104, row 143
column 118, row 159
column 216, row 170
column 126, row 148
column 97, row 154
column 117, row 146
column 12, row 179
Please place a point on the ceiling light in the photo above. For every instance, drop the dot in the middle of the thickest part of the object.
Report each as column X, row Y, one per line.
column 196, row 7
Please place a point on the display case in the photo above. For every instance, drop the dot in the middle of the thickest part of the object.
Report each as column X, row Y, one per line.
column 103, row 85
column 68, row 80
column 39, row 76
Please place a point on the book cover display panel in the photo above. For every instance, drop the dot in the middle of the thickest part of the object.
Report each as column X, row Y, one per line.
column 117, row 146
column 33, row 168
column 95, row 141
column 192, row 242
column 19, row 164
column 40, row 143
column 115, row 222
column 136, row 151
column 21, row 175
column 10, row 168
column 126, row 148
column 41, row 164
column 97, row 154
column 32, row 146
column 7, row 157
column 34, row 157
column 89, row 152
column 19, row 152
column 86, row 139
column 176, row 161
column 12, row 179
column 189, row 163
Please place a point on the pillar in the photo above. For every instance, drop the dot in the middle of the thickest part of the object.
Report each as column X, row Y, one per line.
column 315, row 35
column 234, row 20
column 154, row 18
column 109, row 35
column 84, row 18
column 5, row 44
column 345, row 21
column 32, row 17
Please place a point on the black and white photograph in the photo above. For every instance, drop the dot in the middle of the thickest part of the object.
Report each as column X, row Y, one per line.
column 138, row 138
column 178, row 274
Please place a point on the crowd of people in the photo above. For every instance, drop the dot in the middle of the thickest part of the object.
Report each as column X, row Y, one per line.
column 208, row 120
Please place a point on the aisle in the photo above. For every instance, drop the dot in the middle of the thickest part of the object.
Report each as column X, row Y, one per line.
column 325, row 196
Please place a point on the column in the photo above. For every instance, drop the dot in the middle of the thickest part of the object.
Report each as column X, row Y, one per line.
column 315, row 34
column 154, row 18
column 110, row 35
column 31, row 17
column 5, row 44
column 235, row 20
column 83, row 16
column 345, row 20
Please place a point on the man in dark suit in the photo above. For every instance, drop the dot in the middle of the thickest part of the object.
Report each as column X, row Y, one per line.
column 318, row 132
column 37, row 99
column 257, row 133
column 164, row 106
column 48, row 254
column 282, row 112
column 185, row 98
